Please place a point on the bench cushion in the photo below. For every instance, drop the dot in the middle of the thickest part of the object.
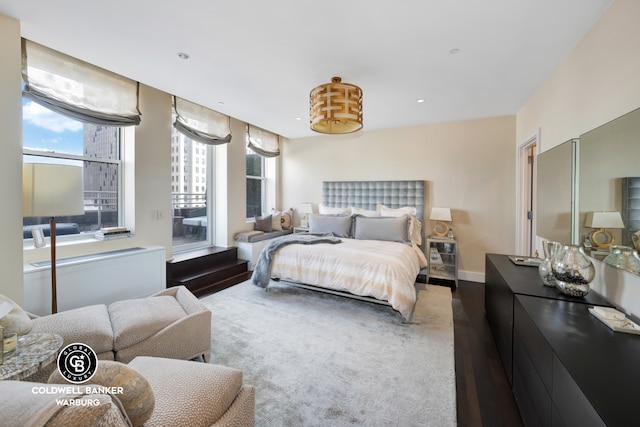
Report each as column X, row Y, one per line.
column 258, row 236
column 135, row 320
column 89, row 325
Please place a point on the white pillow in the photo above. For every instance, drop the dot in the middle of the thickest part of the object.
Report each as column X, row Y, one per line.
column 407, row 210
column 364, row 212
column 276, row 217
column 328, row 210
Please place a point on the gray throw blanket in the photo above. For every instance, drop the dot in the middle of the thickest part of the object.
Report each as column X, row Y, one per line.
column 262, row 269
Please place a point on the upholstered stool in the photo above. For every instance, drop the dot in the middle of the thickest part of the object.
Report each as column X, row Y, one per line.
column 192, row 394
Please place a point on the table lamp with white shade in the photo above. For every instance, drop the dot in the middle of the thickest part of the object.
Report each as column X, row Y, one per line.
column 442, row 216
column 52, row 190
column 304, row 209
column 601, row 237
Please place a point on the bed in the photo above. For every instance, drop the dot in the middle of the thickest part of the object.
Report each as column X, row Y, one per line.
column 370, row 244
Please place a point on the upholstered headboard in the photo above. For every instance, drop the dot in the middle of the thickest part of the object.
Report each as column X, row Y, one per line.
column 368, row 194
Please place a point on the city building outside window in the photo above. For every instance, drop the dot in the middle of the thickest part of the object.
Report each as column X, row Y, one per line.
column 192, row 209
column 49, row 137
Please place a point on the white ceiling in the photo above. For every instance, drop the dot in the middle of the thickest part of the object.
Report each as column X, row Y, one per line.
column 257, row 60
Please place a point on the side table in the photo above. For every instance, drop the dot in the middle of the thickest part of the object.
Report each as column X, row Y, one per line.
column 32, row 353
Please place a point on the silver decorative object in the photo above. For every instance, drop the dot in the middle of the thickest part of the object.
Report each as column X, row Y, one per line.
column 550, row 249
column 573, row 271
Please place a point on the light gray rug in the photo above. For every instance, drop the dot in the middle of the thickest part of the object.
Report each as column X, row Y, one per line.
column 324, row 360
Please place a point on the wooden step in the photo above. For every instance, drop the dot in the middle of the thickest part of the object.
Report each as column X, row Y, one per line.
column 208, row 270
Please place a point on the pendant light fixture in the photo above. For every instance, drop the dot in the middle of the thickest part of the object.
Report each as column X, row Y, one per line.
column 336, row 107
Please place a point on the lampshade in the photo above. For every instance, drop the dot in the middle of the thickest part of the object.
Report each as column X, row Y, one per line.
column 51, row 190
column 604, row 220
column 336, row 107
column 440, row 214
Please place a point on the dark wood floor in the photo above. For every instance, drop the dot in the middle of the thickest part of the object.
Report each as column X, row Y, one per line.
column 484, row 396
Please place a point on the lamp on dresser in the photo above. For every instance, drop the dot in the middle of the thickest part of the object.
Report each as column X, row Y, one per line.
column 50, row 190
column 601, row 237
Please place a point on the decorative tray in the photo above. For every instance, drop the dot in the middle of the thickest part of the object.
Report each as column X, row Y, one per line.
column 524, row 260
column 617, row 322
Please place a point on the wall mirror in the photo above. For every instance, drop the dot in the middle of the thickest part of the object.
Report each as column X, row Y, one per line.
column 555, row 185
column 609, row 175
column 600, row 171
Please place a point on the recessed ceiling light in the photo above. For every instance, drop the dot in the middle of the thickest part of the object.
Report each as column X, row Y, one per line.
column 183, row 55
column 298, row 118
column 454, row 51
column 420, row 101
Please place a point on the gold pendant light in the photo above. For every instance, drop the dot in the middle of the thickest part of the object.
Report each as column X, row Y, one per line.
column 336, row 107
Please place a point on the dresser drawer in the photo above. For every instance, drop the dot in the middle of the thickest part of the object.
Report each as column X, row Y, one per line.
column 572, row 405
column 534, row 344
column 534, row 401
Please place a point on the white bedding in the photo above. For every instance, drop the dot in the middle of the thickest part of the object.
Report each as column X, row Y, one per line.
column 384, row 270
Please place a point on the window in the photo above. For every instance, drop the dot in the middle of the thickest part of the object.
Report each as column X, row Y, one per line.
column 190, row 206
column 49, row 137
column 255, row 184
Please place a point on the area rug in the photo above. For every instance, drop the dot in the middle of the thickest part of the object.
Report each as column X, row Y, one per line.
column 324, row 360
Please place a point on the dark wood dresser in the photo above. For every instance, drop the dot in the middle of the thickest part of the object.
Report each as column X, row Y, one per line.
column 565, row 366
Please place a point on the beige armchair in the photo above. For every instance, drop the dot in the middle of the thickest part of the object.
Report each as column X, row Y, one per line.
column 172, row 323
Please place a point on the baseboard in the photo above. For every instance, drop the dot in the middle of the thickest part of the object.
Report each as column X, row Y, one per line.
column 471, row 276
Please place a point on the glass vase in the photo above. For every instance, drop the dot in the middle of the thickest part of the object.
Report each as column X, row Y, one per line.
column 573, row 270
column 549, row 248
column 625, row 258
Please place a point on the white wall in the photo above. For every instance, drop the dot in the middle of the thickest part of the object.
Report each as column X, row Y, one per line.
column 597, row 82
column 11, row 160
column 469, row 167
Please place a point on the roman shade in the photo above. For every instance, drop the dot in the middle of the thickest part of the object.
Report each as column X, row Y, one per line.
column 263, row 142
column 76, row 89
column 200, row 123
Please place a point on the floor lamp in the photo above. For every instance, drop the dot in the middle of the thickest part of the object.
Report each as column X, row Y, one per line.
column 52, row 190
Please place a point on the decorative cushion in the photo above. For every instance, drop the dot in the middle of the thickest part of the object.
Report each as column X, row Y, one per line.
column 392, row 229
column 327, row 210
column 263, row 223
column 135, row 320
column 285, row 218
column 137, row 395
column 276, row 217
column 339, row 225
column 16, row 321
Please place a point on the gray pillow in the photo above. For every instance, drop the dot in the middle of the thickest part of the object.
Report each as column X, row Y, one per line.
column 339, row 225
column 392, row 229
column 263, row 223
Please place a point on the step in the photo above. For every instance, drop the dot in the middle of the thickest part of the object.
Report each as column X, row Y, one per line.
column 208, row 270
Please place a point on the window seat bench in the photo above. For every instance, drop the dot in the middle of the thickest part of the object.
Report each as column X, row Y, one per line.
column 251, row 243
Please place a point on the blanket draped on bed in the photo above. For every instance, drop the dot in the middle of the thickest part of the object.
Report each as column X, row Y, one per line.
column 262, row 269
